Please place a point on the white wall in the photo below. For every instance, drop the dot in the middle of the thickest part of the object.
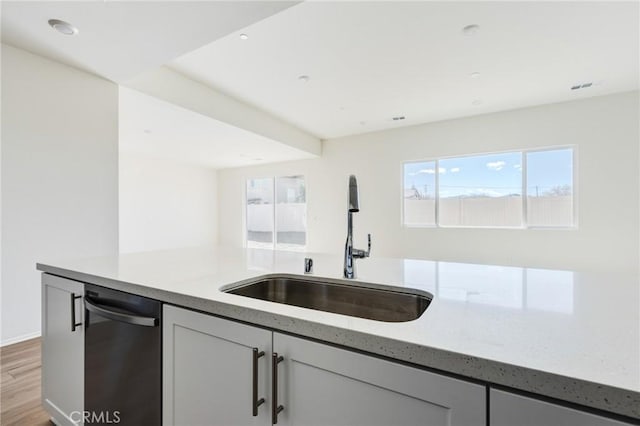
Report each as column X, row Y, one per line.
column 59, row 176
column 605, row 129
column 171, row 86
column 165, row 204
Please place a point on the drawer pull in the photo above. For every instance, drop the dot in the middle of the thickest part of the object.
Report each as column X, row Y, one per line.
column 275, row 408
column 255, row 402
column 74, row 324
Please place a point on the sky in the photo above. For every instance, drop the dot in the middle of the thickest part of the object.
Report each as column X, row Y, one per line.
column 492, row 175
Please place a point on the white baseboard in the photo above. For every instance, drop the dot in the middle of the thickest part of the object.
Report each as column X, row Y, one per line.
column 18, row 339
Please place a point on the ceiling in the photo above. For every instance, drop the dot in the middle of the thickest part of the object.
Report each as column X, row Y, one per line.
column 368, row 62
column 119, row 39
column 163, row 130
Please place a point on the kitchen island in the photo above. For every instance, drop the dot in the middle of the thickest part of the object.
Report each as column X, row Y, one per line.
column 569, row 337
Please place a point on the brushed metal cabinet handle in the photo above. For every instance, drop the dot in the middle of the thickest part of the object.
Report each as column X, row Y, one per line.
column 74, row 324
column 275, row 408
column 255, row 402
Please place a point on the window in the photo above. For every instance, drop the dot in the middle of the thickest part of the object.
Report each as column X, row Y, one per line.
column 276, row 213
column 291, row 212
column 260, row 213
column 550, row 188
column 420, row 193
column 511, row 189
column 481, row 190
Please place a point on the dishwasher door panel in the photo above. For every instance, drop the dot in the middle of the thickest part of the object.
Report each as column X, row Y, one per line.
column 123, row 358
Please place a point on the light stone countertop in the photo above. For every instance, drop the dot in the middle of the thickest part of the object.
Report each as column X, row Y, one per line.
column 570, row 335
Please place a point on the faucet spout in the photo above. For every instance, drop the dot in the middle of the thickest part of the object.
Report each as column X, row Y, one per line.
column 353, row 205
column 350, row 253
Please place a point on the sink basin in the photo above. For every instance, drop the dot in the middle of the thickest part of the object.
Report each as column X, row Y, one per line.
column 357, row 300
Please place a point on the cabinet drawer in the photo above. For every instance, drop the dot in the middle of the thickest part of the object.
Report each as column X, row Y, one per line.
column 324, row 385
column 508, row 409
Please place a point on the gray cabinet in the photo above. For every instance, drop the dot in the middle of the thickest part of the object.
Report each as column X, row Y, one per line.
column 62, row 349
column 208, row 370
column 508, row 409
column 324, row 385
column 208, row 380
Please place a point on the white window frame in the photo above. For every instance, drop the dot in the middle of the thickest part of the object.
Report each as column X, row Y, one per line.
column 525, row 224
column 274, row 243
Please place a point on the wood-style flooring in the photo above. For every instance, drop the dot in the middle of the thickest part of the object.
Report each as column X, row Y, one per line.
column 20, row 402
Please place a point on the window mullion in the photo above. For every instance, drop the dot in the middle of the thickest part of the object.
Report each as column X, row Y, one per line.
column 275, row 212
column 246, row 214
column 525, row 194
column 437, row 193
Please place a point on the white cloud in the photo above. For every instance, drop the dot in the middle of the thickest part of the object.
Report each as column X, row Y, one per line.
column 441, row 170
column 517, row 166
column 496, row 165
column 454, row 169
column 426, row 171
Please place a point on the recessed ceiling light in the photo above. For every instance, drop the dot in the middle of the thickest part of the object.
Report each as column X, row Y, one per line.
column 304, row 78
column 244, row 36
column 470, row 30
column 475, row 75
column 398, row 118
column 476, row 102
column 63, row 27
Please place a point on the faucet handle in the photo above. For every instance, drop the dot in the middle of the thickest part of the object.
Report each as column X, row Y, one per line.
column 359, row 254
column 368, row 252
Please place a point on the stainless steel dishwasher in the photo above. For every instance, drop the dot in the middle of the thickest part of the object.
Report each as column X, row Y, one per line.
column 123, row 358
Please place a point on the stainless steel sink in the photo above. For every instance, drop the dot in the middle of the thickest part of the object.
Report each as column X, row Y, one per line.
column 357, row 299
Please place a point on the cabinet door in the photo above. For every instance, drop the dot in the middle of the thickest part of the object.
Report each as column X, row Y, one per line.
column 208, row 370
column 508, row 409
column 323, row 385
column 62, row 349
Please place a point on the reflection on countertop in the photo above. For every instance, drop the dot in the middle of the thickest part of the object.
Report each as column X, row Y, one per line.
column 503, row 286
